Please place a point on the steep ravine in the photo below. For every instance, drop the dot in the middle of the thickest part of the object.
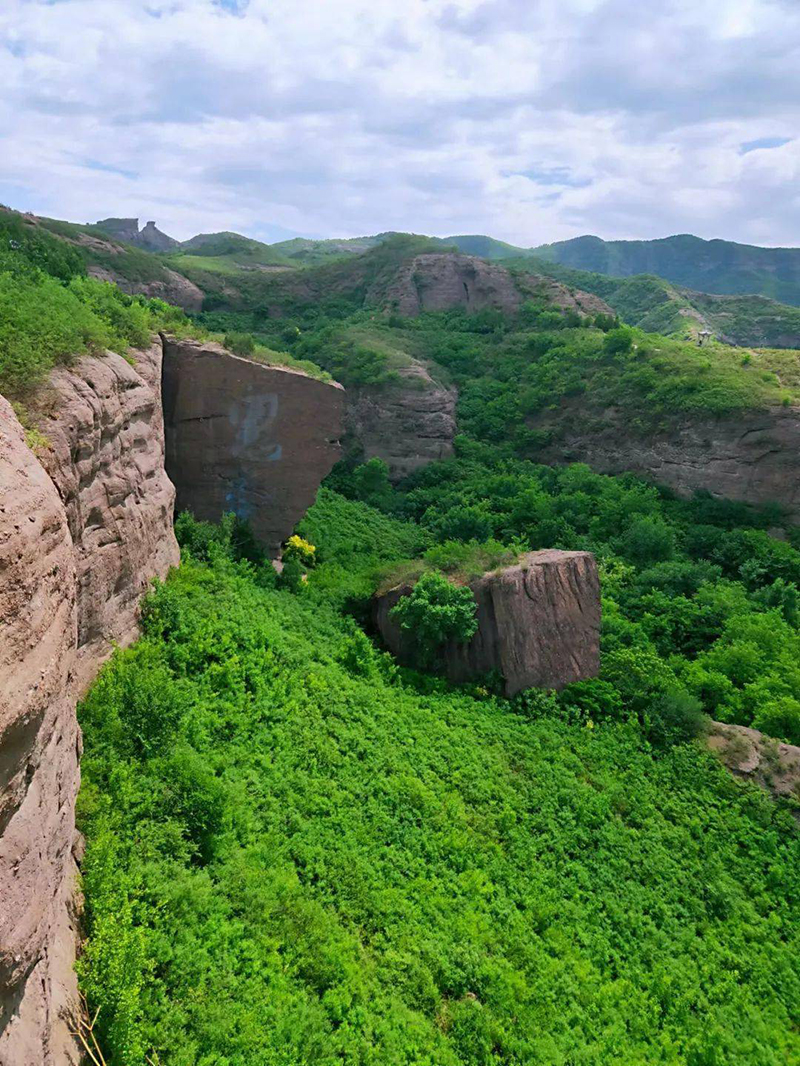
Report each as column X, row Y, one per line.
column 84, row 529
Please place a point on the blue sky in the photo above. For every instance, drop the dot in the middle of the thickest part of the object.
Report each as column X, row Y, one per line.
column 531, row 120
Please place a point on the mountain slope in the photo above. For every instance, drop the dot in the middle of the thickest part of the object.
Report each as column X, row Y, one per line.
column 658, row 306
column 715, row 266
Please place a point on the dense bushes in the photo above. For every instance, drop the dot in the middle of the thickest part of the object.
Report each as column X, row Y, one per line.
column 707, row 609
column 50, row 313
column 297, row 853
column 436, row 610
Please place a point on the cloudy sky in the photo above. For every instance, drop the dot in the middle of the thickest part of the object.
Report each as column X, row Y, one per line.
column 531, row 120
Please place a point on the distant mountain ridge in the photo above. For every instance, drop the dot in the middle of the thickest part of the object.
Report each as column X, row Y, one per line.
column 715, row 266
column 678, row 285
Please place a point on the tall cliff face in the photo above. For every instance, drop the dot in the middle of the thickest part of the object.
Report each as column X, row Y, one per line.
column 82, row 533
column 753, row 458
column 538, row 623
column 39, row 748
column 245, row 437
column 407, row 424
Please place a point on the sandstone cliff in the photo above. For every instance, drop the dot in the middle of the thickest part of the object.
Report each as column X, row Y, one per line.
column 538, row 623
column 407, row 424
column 77, row 550
column 441, row 281
column 753, row 457
column 245, row 437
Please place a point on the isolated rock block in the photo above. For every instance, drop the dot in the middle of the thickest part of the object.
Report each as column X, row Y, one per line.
column 538, row 623
column 244, row 437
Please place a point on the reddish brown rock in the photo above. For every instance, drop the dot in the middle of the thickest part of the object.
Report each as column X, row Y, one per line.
column 245, row 437
column 441, row 281
column 753, row 457
column 407, row 423
column 77, row 550
column 39, row 748
column 753, row 756
column 106, row 457
column 538, row 623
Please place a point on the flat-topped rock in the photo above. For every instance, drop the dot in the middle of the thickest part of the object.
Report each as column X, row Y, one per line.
column 245, row 437
column 538, row 623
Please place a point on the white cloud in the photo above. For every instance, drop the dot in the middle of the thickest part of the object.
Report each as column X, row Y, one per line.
column 532, row 122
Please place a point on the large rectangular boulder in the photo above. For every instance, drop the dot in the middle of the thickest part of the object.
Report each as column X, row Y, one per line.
column 538, row 623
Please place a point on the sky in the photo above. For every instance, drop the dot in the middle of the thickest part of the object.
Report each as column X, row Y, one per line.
column 530, row 120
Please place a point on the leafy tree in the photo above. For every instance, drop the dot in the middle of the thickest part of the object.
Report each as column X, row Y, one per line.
column 434, row 611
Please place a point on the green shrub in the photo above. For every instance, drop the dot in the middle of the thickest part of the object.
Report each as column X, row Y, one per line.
column 240, row 343
column 434, row 611
column 781, row 719
column 673, row 718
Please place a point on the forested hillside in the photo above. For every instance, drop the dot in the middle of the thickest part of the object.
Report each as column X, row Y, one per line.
column 708, row 266
column 299, row 852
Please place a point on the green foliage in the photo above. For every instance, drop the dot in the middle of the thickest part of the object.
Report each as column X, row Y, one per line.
column 435, row 611
column 24, row 246
column 323, row 861
column 50, row 313
column 240, row 343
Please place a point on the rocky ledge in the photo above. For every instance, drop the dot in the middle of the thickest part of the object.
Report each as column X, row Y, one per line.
column 83, row 530
column 538, row 623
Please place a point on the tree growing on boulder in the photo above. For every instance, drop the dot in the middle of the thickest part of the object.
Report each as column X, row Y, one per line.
column 435, row 611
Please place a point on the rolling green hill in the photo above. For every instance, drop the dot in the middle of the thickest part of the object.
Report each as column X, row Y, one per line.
column 238, row 250
column 716, row 266
column 658, row 306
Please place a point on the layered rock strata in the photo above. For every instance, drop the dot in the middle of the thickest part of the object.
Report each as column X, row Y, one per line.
column 247, row 438
column 538, row 623
column 82, row 533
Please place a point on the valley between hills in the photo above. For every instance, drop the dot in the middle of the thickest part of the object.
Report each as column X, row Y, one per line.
column 400, row 649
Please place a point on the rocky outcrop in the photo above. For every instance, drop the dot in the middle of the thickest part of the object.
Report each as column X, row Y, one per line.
column 441, row 281
column 82, row 533
column 151, row 238
column 123, row 229
column 753, row 457
column 408, row 423
column 538, row 623
column 752, row 756
column 127, row 229
column 246, row 437
column 167, row 285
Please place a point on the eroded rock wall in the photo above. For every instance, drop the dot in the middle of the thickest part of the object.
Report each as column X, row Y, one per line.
column 169, row 286
column 83, row 530
column 39, row 750
column 442, row 281
column 538, row 623
column 753, row 458
column 407, row 424
column 244, row 437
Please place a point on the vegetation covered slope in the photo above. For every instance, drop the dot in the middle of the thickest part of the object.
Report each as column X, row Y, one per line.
column 708, row 266
column 297, row 853
column 51, row 312
column 657, row 306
